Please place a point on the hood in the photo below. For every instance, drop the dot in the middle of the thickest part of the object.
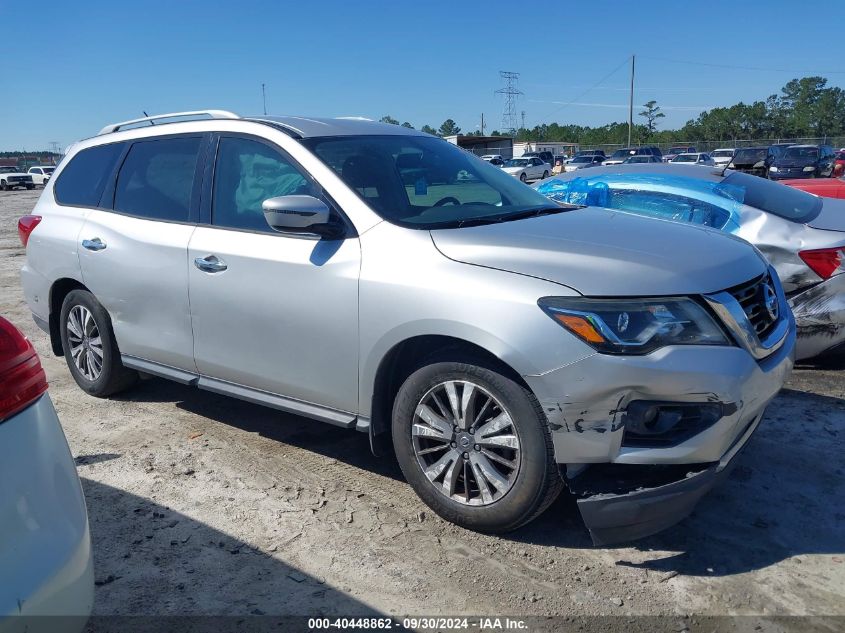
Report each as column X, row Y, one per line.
column 831, row 217
column 602, row 252
column 511, row 170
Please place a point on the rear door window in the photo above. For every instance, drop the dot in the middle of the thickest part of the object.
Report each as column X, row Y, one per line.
column 157, row 178
column 83, row 180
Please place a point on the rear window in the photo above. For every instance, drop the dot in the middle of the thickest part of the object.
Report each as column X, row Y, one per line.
column 157, row 177
column 81, row 183
column 786, row 202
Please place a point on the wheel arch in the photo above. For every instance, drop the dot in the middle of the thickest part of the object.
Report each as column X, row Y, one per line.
column 411, row 353
column 58, row 291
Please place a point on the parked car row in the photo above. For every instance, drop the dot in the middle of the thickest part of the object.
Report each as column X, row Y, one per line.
column 503, row 345
column 13, row 178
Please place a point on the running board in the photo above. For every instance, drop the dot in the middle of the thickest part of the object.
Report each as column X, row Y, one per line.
column 281, row 403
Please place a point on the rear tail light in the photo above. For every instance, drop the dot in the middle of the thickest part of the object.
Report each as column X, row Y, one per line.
column 825, row 262
column 26, row 225
column 22, row 379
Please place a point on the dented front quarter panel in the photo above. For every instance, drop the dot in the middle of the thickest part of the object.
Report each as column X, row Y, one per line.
column 585, row 401
column 820, row 317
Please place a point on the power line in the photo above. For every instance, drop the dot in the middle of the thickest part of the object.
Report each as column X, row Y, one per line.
column 737, row 67
column 595, row 85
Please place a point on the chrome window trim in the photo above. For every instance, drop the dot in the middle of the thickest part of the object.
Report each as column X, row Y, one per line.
column 734, row 318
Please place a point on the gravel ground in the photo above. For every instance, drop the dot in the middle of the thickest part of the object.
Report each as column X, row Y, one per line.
column 202, row 504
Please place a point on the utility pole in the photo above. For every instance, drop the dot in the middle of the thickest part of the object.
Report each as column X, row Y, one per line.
column 482, row 124
column 631, row 101
column 523, row 119
column 264, row 99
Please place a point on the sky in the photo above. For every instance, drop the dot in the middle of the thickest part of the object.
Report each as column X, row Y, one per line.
column 72, row 67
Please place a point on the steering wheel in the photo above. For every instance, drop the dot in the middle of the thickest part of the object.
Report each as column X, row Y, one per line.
column 446, row 200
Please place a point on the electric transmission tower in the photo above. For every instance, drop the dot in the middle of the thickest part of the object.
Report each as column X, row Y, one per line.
column 510, row 92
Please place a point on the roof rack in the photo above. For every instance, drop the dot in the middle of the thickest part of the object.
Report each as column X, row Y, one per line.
column 213, row 114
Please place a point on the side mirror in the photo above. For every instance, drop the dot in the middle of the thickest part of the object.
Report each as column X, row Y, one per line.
column 298, row 213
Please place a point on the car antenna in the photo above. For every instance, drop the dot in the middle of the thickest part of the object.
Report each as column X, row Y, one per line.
column 722, row 175
column 147, row 115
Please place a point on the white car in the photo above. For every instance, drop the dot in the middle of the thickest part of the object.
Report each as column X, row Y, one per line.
column 579, row 162
column 41, row 174
column 46, row 567
column 490, row 157
column 722, row 156
column 694, row 158
column 12, row 177
column 531, row 168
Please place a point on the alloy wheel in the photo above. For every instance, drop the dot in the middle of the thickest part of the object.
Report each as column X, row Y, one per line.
column 466, row 443
column 86, row 346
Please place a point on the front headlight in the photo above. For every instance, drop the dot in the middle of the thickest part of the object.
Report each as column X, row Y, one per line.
column 809, row 168
column 634, row 326
column 773, row 168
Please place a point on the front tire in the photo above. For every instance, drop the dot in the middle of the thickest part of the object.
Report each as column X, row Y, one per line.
column 474, row 445
column 4, row 185
column 90, row 348
column 545, row 175
column 522, row 177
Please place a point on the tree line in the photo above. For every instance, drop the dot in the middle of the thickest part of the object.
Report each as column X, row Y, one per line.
column 804, row 108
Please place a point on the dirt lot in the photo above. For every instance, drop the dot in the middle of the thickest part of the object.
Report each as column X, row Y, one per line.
column 207, row 505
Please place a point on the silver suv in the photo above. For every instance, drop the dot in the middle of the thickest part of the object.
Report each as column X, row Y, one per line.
column 380, row 279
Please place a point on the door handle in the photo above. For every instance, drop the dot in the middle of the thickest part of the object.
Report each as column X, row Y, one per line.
column 210, row 264
column 94, row 245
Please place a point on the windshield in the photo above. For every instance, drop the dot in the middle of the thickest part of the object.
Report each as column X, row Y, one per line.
column 623, row 153
column 8, row 170
column 751, row 155
column 722, row 153
column 517, row 162
column 583, row 159
column 786, row 202
column 801, row 152
column 685, row 158
column 678, row 150
column 638, row 159
column 425, row 183
column 49, row 170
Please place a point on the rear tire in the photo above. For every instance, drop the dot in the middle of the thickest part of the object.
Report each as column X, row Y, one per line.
column 90, row 348
column 545, row 175
column 524, row 479
column 4, row 186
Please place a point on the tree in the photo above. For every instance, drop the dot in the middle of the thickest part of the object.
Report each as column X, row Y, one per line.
column 449, row 128
column 408, row 125
column 428, row 130
column 389, row 119
column 651, row 113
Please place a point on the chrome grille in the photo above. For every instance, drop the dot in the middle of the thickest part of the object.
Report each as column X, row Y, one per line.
column 750, row 298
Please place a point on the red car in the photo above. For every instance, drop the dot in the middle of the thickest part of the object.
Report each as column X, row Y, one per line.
column 824, row 187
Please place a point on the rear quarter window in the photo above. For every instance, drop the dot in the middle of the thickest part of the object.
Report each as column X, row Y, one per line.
column 82, row 182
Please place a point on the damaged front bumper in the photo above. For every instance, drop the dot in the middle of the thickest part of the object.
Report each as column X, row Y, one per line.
column 632, row 485
column 820, row 318
column 626, row 503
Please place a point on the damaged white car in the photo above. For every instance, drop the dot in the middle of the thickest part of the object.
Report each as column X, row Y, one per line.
column 802, row 236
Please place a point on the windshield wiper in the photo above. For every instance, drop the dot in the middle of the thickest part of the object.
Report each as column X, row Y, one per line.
column 518, row 215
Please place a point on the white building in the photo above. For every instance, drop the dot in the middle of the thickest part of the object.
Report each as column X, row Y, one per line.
column 555, row 147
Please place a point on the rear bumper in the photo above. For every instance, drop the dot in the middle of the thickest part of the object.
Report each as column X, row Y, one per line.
column 614, row 516
column 820, row 318
column 45, row 548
